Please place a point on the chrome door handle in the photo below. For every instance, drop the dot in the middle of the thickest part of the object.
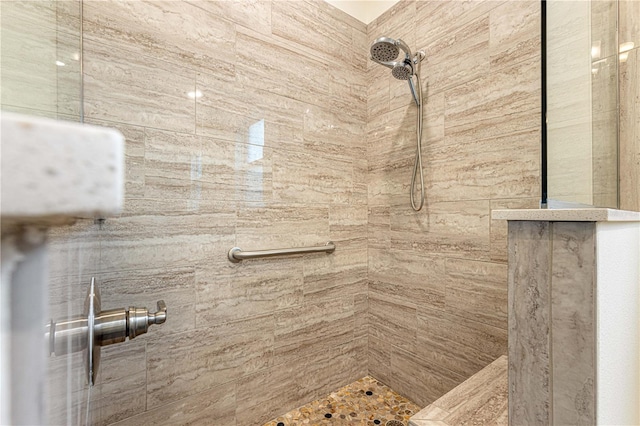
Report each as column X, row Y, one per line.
column 97, row 328
column 161, row 314
column 140, row 319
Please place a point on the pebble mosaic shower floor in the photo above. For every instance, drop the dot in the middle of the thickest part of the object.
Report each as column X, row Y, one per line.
column 365, row 402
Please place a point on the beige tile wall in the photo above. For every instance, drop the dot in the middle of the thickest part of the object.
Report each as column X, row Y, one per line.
column 438, row 277
column 298, row 139
column 36, row 35
column 592, row 157
column 604, row 107
column 569, row 99
column 272, row 155
column 629, row 31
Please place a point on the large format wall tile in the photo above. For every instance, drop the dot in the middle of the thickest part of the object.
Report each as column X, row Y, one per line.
column 261, row 228
column 529, row 322
column 514, row 32
column 215, row 406
column 311, row 178
column 300, row 21
column 125, row 86
column 456, row 229
column 310, row 328
column 460, row 55
column 477, row 290
column 268, row 64
column 415, row 376
column 160, row 241
column 29, row 75
column 572, row 323
column 263, row 395
column 435, row 18
column 263, row 124
column 339, row 274
column 392, row 322
column 629, row 15
column 248, row 114
column 196, row 167
column 485, row 168
column 501, row 102
column 199, row 360
column 629, row 153
column 407, row 277
column 379, row 358
column 252, row 288
column 173, row 31
column 119, row 390
column 457, row 344
column 122, row 385
column 254, row 14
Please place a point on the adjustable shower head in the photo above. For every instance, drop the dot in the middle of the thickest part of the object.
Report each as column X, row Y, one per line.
column 384, row 49
column 402, row 70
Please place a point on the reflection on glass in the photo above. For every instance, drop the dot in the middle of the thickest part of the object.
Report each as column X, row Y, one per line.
column 581, row 111
column 196, row 183
column 37, row 74
column 250, row 163
column 256, row 139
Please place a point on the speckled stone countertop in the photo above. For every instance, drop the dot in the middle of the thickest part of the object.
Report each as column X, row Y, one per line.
column 567, row 215
column 480, row 400
column 53, row 170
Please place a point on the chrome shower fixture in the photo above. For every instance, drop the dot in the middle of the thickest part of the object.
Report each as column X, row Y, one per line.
column 385, row 51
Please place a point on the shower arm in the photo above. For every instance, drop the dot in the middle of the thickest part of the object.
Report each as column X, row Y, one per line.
column 407, row 51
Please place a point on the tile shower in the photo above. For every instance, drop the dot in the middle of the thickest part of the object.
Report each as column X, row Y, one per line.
column 263, row 124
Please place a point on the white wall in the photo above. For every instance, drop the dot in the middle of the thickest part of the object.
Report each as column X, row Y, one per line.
column 618, row 312
column 363, row 10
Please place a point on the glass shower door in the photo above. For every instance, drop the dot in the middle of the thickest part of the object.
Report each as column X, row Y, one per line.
column 41, row 61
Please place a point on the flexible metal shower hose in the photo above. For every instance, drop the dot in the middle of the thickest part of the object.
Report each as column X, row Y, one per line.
column 417, row 166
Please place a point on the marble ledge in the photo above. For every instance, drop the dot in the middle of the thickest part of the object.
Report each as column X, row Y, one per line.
column 567, row 215
column 55, row 171
column 480, row 400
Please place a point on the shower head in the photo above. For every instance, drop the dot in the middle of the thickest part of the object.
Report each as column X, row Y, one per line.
column 384, row 49
column 402, row 70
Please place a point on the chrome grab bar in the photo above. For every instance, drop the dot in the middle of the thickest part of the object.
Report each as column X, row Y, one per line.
column 236, row 254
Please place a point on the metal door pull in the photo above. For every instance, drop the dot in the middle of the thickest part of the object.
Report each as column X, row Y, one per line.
column 97, row 328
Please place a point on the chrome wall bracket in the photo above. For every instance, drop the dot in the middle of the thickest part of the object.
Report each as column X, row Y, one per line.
column 96, row 328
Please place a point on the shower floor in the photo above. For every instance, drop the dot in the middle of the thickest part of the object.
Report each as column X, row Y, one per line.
column 363, row 402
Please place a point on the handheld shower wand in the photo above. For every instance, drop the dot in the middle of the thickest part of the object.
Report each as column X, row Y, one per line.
column 385, row 51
